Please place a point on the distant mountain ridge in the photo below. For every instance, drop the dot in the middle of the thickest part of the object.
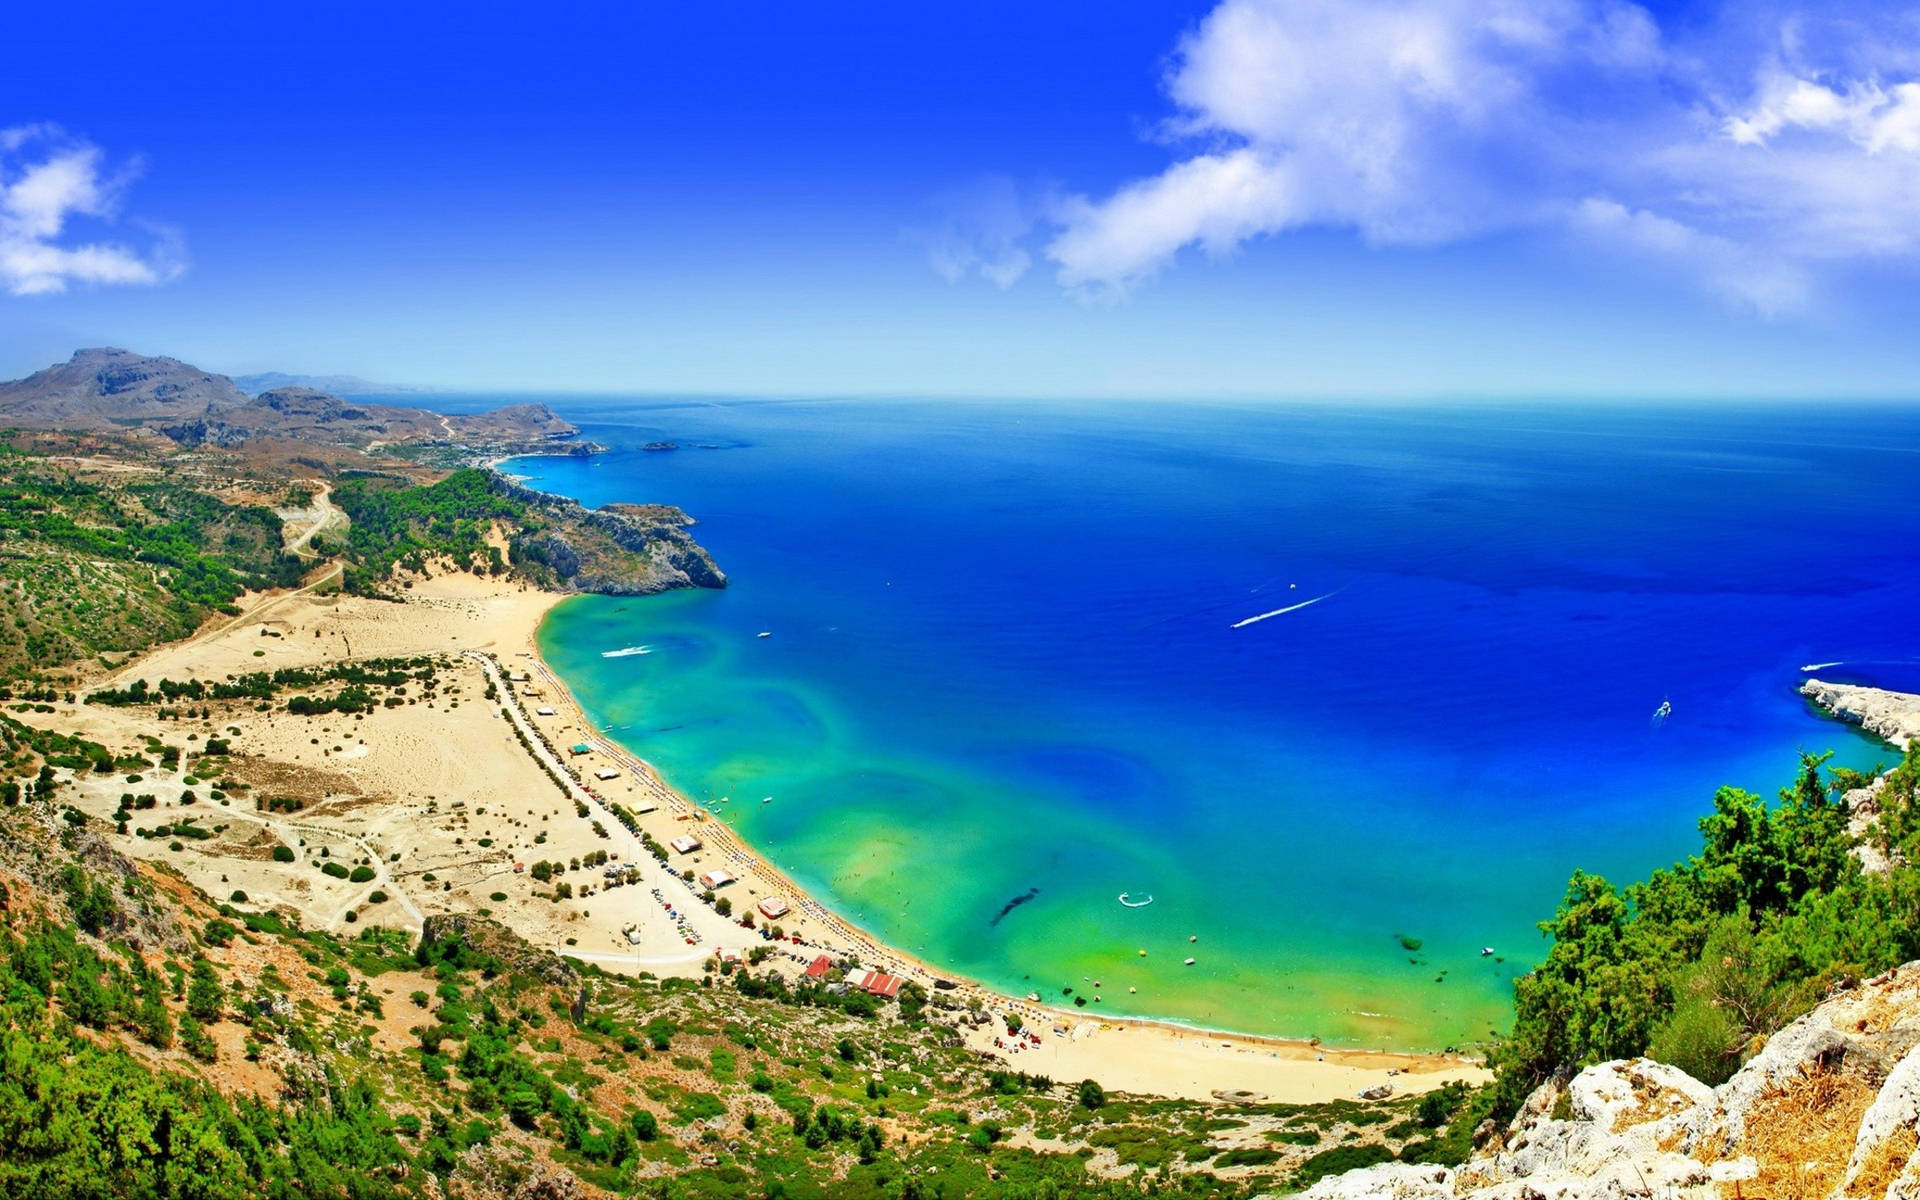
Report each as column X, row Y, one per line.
column 336, row 385
column 105, row 389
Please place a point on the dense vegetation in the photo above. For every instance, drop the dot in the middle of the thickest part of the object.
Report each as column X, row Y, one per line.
column 89, row 566
column 1696, row 962
column 397, row 525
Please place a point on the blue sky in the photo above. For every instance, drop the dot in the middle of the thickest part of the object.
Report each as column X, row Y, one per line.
column 1246, row 198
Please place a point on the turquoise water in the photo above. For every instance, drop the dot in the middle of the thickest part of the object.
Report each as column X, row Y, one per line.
column 1004, row 664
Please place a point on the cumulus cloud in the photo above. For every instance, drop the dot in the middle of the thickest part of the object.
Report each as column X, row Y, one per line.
column 1757, row 149
column 49, row 182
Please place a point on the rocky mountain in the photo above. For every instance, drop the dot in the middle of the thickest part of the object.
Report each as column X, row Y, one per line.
column 1828, row 1107
column 109, row 389
column 104, row 388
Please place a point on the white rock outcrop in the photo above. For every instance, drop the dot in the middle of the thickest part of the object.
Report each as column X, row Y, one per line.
column 1829, row 1107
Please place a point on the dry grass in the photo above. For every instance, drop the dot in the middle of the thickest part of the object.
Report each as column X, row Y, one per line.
column 1802, row 1135
column 1654, row 1103
column 1884, row 1163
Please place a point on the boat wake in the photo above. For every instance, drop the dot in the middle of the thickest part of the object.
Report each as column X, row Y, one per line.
column 1133, row 901
column 1282, row 611
column 1812, row 667
column 630, row 650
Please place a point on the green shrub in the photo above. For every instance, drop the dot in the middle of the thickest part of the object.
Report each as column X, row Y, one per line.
column 1337, row 1161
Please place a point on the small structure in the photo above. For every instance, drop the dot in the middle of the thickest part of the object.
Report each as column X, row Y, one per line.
column 517, row 676
column 773, row 908
column 579, row 748
column 877, row 983
column 643, row 807
column 543, row 712
column 685, row 843
column 519, row 868
column 606, row 773
column 715, row 879
column 633, row 935
column 818, row 968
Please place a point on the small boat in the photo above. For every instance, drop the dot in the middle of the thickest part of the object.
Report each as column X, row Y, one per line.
column 764, row 633
column 1034, row 996
column 1193, row 937
column 766, row 799
column 1661, row 714
column 1143, row 954
column 1132, row 901
column 1486, row 952
column 1189, row 962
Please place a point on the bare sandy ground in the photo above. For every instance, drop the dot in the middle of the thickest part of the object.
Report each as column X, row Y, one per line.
column 439, row 797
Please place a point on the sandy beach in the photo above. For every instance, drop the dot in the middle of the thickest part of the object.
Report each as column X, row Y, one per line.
column 443, row 798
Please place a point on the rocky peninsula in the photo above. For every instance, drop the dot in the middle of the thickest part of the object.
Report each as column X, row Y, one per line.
column 1894, row 717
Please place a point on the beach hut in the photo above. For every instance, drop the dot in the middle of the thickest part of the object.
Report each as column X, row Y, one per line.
column 818, row 968
column 685, row 844
column 520, row 868
column 877, row 983
column 642, row 807
column 543, row 712
column 715, row 879
column 773, row 908
column 579, row 748
column 606, row 773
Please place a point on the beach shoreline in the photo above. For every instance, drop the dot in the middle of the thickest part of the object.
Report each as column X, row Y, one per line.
column 412, row 790
column 1170, row 1041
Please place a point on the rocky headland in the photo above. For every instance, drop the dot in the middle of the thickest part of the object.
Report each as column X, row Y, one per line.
column 1893, row 717
column 616, row 550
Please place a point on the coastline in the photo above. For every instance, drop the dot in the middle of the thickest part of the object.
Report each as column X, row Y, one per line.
column 411, row 789
column 1284, row 1069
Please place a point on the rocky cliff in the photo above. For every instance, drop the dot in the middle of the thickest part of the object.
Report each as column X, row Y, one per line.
column 1827, row 1108
column 617, row 550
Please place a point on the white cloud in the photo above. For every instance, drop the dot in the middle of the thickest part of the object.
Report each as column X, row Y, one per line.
column 1758, row 149
column 1764, row 283
column 47, row 180
column 979, row 230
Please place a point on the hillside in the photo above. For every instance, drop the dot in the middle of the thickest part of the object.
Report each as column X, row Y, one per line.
column 111, row 562
column 109, row 389
column 550, row 541
column 157, row 1042
column 107, row 554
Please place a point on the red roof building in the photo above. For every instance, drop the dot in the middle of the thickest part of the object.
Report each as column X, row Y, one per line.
column 819, row 967
column 875, row 983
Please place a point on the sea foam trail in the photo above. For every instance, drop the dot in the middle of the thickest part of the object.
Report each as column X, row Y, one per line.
column 1820, row 666
column 626, row 652
column 1279, row 611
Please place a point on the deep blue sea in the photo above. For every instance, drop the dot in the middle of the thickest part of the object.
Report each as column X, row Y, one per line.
column 1008, row 660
